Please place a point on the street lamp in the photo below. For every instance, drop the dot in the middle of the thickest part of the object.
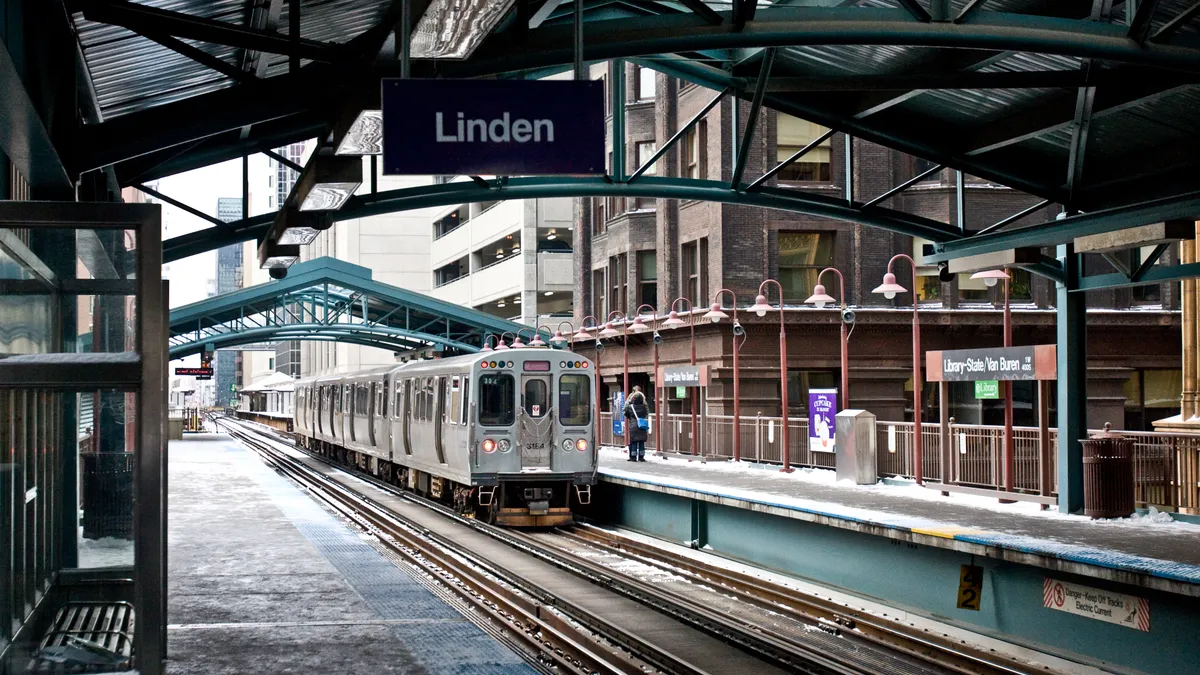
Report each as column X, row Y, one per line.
column 673, row 321
column 715, row 315
column 501, row 346
column 889, row 288
column 819, row 299
column 761, row 307
column 990, row 277
column 583, row 335
column 559, row 339
column 487, row 347
column 535, row 342
column 608, row 333
column 638, row 328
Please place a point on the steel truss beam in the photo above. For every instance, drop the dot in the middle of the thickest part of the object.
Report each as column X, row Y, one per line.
column 200, row 56
column 1056, row 232
column 373, row 336
column 407, row 199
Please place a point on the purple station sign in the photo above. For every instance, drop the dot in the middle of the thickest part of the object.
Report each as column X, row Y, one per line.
column 493, row 127
column 822, row 409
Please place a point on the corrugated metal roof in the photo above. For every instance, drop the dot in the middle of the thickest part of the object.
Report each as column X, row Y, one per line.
column 132, row 73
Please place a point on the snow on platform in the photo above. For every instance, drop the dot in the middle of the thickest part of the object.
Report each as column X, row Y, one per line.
column 1151, row 546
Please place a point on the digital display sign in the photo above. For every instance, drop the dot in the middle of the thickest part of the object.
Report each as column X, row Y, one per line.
column 537, row 366
column 198, row 372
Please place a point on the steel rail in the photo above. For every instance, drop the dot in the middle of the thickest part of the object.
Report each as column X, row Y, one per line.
column 944, row 651
column 516, row 603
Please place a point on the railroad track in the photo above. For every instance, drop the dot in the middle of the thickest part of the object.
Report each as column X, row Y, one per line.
column 780, row 629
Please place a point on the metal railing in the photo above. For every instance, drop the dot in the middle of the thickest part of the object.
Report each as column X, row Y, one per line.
column 1166, row 465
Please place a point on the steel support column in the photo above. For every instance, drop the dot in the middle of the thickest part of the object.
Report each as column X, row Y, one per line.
column 618, row 121
column 1071, row 317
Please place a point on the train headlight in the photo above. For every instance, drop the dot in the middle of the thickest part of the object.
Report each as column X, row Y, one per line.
column 581, row 445
column 489, row 446
column 568, row 444
column 504, row 445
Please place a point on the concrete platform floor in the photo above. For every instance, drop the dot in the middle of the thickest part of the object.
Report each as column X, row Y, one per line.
column 264, row 580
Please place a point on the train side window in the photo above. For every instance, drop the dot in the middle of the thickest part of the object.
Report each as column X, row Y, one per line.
column 446, row 410
column 574, row 400
column 452, row 410
column 430, row 389
column 465, row 414
column 383, row 399
column 397, row 407
column 497, row 399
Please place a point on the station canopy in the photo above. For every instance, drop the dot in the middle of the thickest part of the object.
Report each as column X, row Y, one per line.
column 1092, row 104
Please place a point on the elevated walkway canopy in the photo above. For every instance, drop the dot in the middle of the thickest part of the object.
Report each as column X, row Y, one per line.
column 330, row 300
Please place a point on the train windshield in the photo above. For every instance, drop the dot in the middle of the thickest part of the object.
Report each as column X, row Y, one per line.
column 574, row 400
column 497, row 399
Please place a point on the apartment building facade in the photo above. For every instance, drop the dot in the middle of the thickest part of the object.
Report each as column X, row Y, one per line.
column 658, row 252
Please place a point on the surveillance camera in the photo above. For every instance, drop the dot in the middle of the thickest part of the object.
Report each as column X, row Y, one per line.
column 599, row 346
column 738, row 330
column 848, row 317
column 278, row 272
column 944, row 274
column 657, row 339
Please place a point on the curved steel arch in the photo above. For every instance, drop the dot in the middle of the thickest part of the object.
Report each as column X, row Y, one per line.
column 371, row 336
column 405, row 199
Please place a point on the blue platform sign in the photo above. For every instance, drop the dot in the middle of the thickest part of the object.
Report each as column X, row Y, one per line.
column 493, row 127
column 618, row 413
column 822, row 408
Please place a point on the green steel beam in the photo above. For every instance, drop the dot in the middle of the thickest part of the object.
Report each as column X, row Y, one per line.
column 407, row 199
column 1063, row 231
column 1071, row 324
column 377, row 334
column 1154, row 275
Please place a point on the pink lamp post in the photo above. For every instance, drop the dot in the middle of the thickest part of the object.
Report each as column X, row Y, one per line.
column 610, row 332
column 715, row 315
column 761, row 307
column 537, row 336
column 820, row 298
column 889, row 288
column 990, row 277
column 559, row 339
column 583, row 335
column 673, row 321
column 638, row 328
column 487, row 347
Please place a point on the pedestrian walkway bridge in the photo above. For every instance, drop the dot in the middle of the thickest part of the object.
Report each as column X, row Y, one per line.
column 330, row 300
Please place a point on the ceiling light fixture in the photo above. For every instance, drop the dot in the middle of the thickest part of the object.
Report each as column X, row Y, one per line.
column 293, row 226
column 365, row 135
column 327, row 182
column 453, row 29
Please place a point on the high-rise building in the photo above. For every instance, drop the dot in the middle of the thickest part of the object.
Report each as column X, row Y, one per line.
column 287, row 352
column 230, row 276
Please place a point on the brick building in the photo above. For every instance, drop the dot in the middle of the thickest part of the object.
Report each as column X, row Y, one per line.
column 634, row 252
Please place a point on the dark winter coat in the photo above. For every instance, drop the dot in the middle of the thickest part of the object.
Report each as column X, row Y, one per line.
column 636, row 404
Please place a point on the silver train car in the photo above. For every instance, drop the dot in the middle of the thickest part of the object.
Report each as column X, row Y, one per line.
column 505, row 436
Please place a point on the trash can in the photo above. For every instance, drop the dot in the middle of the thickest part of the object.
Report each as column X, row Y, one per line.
column 1107, row 475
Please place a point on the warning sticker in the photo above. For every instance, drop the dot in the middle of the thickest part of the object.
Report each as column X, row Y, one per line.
column 1124, row 610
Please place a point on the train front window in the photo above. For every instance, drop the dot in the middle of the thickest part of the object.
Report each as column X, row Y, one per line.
column 497, row 398
column 537, row 398
column 574, row 400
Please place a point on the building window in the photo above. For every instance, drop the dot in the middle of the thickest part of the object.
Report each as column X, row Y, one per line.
column 695, row 271
column 449, row 223
column 802, row 256
column 645, row 150
column 971, row 290
column 1020, row 288
column 801, row 381
column 1151, row 395
column 793, row 135
column 645, row 83
column 599, row 215
column 647, row 262
column 598, row 294
column 618, row 281
column 693, row 162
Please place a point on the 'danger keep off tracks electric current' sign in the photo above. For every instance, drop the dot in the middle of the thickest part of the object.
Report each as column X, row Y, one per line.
column 493, row 127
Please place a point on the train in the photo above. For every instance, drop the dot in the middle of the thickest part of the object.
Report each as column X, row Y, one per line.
column 504, row 436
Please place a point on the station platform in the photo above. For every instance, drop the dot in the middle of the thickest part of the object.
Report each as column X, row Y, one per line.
column 262, row 579
column 908, row 545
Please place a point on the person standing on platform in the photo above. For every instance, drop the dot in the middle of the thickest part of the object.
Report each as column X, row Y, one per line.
column 638, row 424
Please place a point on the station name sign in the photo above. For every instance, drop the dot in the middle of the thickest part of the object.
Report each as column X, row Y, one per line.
column 493, row 127
column 1034, row 362
column 683, row 376
column 195, row 372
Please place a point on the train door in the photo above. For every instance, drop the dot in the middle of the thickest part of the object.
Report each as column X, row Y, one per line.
column 407, row 415
column 373, row 413
column 439, row 415
column 536, row 425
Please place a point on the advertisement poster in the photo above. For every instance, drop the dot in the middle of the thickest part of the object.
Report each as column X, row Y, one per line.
column 618, row 413
column 822, row 407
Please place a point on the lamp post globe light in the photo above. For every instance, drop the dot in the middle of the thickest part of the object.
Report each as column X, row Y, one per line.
column 486, row 346
column 819, row 299
column 990, row 277
column 673, row 321
column 716, row 315
column 889, row 288
column 559, row 338
column 639, row 327
column 581, row 336
column 761, row 307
